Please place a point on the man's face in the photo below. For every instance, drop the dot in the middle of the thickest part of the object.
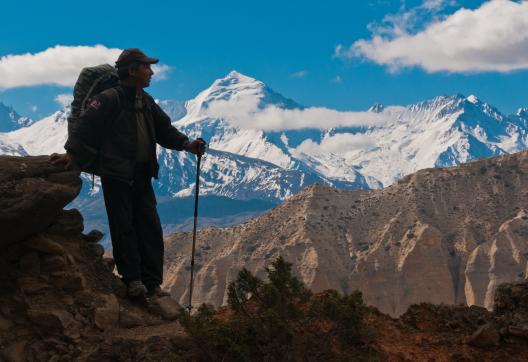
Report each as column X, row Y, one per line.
column 142, row 75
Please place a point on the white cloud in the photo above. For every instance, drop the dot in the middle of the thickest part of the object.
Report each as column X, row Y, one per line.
column 64, row 99
column 299, row 74
column 58, row 65
column 245, row 113
column 493, row 37
column 341, row 143
column 160, row 71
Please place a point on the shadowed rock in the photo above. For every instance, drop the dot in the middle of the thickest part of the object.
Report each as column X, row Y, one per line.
column 32, row 195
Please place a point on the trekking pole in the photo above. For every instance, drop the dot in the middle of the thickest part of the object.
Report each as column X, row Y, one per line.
column 196, row 192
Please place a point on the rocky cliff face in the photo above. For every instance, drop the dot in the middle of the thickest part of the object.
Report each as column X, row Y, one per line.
column 59, row 299
column 440, row 235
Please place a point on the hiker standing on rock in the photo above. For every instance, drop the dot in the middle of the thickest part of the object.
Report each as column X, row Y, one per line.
column 115, row 137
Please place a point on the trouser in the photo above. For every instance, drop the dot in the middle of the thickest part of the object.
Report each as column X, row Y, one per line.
column 135, row 228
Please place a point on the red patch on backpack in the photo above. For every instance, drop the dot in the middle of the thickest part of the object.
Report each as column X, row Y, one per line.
column 95, row 104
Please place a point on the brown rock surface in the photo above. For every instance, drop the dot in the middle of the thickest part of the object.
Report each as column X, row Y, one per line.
column 440, row 235
column 32, row 195
column 56, row 319
column 167, row 307
column 486, row 336
column 107, row 315
column 58, row 298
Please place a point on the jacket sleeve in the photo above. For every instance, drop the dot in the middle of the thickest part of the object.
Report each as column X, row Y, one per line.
column 84, row 132
column 166, row 134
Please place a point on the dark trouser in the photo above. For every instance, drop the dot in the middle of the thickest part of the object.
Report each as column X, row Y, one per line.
column 137, row 237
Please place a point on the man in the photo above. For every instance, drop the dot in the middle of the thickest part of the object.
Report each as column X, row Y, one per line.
column 128, row 124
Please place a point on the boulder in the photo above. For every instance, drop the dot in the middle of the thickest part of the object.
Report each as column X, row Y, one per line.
column 520, row 331
column 54, row 263
column 32, row 194
column 67, row 280
column 166, row 307
column 93, row 236
column 109, row 262
column 32, row 285
column 96, row 250
column 68, row 222
column 486, row 336
column 55, row 319
column 130, row 319
column 44, row 244
column 107, row 315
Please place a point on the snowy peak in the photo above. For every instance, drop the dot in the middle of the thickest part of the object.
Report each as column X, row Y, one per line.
column 10, row 120
column 233, row 85
column 376, row 108
column 236, row 78
column 235, row 91
column 45, row 136
column 473, row 99
column 522, row 112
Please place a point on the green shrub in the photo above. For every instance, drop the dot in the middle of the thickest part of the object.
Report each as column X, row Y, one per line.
column 277, row 320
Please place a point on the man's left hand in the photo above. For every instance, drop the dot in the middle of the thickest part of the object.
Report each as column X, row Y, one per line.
column 197, row 147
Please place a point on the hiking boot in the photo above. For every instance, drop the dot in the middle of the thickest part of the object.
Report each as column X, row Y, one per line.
column 136, row 289
column 157, row 292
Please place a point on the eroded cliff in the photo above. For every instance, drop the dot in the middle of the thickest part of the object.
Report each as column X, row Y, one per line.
column 440, row 235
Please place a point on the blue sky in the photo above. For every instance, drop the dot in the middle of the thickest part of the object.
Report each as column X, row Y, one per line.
column 305, row 50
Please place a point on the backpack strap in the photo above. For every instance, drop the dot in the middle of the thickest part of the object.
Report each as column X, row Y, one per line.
column 115, row 97
column 91, row 89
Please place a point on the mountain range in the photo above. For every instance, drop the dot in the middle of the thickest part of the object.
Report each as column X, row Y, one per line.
column 440, row 235
column 254, row 162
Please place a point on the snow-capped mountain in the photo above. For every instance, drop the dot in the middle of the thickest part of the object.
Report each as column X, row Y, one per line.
column 444, row 131
column 250, row 158
column 175, row 109
column 46, row 136
column 11, row 120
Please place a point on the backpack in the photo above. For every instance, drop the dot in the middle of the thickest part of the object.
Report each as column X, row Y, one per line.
column 91, row 81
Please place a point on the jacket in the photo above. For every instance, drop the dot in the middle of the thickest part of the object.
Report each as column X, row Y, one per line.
column 103, row 139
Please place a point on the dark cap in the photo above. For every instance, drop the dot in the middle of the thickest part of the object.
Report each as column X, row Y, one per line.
column 133, row 55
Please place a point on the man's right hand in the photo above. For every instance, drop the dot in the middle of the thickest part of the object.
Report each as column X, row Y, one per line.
column 66, row 159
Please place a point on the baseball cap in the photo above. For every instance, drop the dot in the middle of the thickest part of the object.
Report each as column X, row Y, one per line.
column 134, row 55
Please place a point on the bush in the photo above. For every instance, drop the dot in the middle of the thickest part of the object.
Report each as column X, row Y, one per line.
column 277, row 320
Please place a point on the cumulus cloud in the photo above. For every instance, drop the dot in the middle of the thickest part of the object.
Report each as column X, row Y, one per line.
column 63, row 99
column 58, row 65
column 246, row 113
column 160, row 71
column 491, row 38
column 341, row 143
column 299, row 74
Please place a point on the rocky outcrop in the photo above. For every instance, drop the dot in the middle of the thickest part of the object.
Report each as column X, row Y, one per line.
column 59, row 298
column 32, row 195
column 440, row 235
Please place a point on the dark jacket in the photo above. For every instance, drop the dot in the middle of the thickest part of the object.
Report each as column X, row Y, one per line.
column 104, row 138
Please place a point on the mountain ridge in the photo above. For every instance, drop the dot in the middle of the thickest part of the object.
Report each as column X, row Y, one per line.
column 247, row 162
column 447, row 235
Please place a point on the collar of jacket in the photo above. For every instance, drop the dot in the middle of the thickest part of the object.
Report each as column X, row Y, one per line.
column 129, row 92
